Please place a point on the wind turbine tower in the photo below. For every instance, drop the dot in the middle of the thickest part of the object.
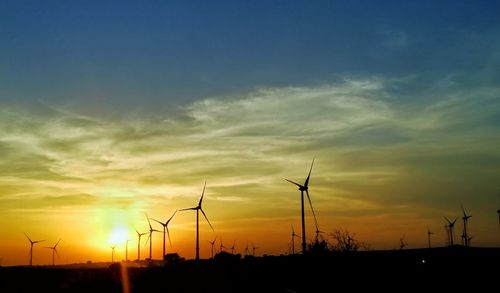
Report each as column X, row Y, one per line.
column 165, row 228
column 232, row 247
column 465, row 218
column 429, row 233
column 113, row 253
column 31, row 247
column 150, row 237
column 54, row 251
column 139, row 235
column 305, row 188
column 451, row 227
column 126, row 250
column 293, row 240
column 198, row 208
column 213, row 243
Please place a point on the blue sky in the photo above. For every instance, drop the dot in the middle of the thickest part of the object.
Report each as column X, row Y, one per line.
column 112, row 109
column 171, row 52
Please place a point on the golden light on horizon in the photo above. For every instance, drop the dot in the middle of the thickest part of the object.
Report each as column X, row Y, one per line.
column 93, row 188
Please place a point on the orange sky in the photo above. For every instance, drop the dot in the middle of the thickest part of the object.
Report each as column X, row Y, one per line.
column 381, row 171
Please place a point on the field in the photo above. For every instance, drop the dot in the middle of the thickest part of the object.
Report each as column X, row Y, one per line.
column 445, row 269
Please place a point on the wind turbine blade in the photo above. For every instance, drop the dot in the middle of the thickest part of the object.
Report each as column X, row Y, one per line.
column 309, row 175
column 149, row 222
column 158, row 222
column 168, row 221
column 38, row 241
column 169, row 240
column 310, row 203
column 447, row 220
column 147, row 239
column 57, row 253
column 463, row 210
column 186, row 209
column 202, row 194
column 293, row 232
column 294, row 182
column 28, row 237
column 57, row 243
column 207, row 219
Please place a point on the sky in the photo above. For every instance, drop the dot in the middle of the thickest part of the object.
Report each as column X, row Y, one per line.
column 113, row 109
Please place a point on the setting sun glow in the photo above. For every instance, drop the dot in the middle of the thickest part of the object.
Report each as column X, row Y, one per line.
column 118, row 235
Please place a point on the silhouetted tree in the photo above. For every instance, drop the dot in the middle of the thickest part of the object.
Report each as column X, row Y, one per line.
column 344, row 241
column 402, row 242
column 320, row 247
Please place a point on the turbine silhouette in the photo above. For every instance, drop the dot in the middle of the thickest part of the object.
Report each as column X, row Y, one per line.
column 317, row 234
column 150, row 237
column 198, row 208
column 254, row 248
column 221, row 245
column 165, row 228
column 429, row 233
column 302, row 188
column 31, row 247
column 293, row 240
column 126, row 249
column 232, row 247
column 213, row 243
column 54, row 250
column 465, row 218
column 139, row 235
column 113, row 253
column 451, row 227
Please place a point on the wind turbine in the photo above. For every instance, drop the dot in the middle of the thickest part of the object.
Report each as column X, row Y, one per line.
column 150, row 237
column 465, row 218
column 293, row 240
column 232, row 247
column 246, row 249
column 254, row 248
column 113, row 253
column 213, row 243
column 451, row 226
column 54, row 250
column 305, row 188
column 198, row 208
column 31, row 247
column 221, row 245
column 429, row 233
column 126, row 250
column 165, row 228
column 317, row 234
column 139, row 235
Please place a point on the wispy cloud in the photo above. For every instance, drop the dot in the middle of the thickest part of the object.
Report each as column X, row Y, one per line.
column 374, row 150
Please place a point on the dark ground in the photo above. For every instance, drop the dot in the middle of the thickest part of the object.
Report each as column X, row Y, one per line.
column 432, row 270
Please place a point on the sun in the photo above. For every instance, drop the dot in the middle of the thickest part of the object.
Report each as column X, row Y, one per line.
column 118, row 235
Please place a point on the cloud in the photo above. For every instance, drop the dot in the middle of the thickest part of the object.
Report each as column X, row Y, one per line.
column 378, row 148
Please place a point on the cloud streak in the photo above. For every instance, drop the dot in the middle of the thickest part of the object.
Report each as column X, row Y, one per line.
column 375, row 150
